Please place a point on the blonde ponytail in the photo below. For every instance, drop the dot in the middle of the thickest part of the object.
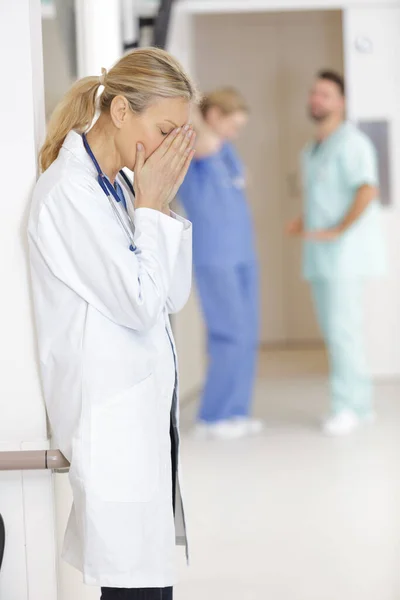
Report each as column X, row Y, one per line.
column 140, row 76
column 75, row 111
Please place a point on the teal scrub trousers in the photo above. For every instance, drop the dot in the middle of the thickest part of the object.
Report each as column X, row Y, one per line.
column 339, row 308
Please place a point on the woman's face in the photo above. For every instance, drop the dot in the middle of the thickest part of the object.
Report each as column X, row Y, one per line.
column 150, row 127
column 227, row 127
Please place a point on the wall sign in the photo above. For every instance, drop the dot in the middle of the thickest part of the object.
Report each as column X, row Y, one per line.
column 378, row 132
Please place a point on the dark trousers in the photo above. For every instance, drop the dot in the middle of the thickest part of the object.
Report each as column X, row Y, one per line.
column 136, row 594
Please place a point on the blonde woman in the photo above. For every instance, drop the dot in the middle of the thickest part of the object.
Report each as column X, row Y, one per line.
column 214, row 197
column 107, row 269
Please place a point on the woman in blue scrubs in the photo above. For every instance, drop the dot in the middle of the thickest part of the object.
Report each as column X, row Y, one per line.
column 213, row 195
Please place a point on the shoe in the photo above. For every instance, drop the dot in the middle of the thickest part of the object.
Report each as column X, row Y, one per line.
column 342, row 423
column 253, row 426
column 220, row 430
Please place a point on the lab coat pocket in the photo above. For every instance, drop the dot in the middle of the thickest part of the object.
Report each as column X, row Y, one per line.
column 124, row 445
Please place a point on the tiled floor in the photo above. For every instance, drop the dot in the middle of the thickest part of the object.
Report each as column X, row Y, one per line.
column 292, row 515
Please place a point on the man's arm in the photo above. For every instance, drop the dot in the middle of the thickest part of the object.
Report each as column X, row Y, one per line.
column 295, row 227
column 363, row 198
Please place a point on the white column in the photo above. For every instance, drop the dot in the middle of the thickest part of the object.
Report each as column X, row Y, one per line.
column 98, row 35
column 188, row 325
column 130, row 22
column 180, row 36
column 26, row 499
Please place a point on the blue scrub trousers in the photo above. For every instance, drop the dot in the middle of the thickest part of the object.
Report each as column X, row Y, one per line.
column 230, row 303
column 340, row 311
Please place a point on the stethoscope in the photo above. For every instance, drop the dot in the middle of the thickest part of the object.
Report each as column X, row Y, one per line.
column 112, row 195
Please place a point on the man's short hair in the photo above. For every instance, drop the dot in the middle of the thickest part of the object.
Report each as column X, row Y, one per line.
column 334, row 77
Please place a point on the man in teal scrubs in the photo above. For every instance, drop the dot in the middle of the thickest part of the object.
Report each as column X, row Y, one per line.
column 343, row 245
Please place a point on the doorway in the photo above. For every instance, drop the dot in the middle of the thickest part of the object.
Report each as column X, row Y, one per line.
column 272, row 58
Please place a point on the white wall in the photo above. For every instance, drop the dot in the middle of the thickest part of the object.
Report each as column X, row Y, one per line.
column 373, row 89
column 26, row 499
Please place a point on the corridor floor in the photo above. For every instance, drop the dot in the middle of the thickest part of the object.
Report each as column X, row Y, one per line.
column 293, row 515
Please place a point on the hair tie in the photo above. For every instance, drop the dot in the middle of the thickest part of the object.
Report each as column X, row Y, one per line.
column 102, row 78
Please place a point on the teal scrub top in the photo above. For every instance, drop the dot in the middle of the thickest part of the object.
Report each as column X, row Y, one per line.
column 333, row 171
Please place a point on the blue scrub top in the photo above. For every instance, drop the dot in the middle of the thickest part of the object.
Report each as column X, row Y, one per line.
column 333, row 171
column 213, row 196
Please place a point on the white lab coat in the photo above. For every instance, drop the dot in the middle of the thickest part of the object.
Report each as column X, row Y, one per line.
column 108, row 370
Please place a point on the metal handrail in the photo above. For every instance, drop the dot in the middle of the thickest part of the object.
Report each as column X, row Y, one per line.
column 32, row 460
